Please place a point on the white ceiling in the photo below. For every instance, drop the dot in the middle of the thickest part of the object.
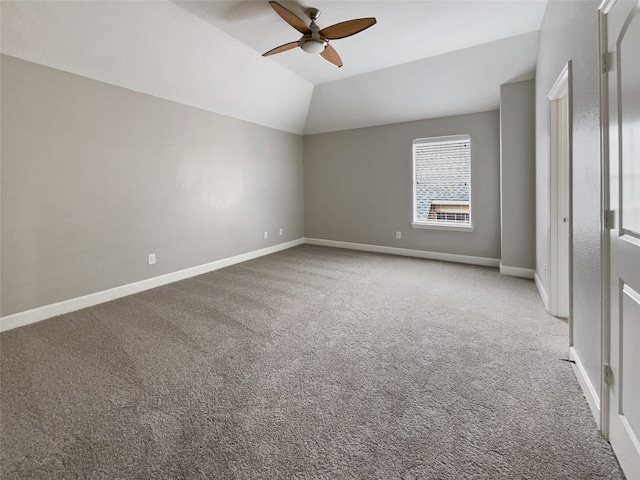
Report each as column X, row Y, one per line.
column 464, row 81
column 158, row 48
column 406, row 30
column 423, row 58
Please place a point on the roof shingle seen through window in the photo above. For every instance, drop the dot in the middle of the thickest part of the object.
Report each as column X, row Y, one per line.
column 442, row 172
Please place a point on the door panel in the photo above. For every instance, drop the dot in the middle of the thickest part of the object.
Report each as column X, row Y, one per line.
column 630, row 361
column 629, row 75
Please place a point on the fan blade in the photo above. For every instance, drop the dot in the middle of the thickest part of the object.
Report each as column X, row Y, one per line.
column 281, row 48
column 291, row 18
column 348, row 28
column 331, row 56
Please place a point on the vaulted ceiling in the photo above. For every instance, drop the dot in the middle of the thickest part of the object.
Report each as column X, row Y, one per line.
column 423, row 59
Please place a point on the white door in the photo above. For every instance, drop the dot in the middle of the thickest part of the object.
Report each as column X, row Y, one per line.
column 563, row 208
column 560, row 187
column 621, row 102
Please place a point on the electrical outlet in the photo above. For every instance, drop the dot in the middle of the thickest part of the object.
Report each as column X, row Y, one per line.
column 281, row 231
column 398, row 235
column 544, row 268
column 266, row 235
column 151, row 258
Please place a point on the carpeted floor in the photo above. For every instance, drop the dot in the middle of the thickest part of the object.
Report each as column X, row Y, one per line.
column 309, row 363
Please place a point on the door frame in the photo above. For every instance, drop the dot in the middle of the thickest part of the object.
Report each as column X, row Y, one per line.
column 561, row 88
column 605, row 315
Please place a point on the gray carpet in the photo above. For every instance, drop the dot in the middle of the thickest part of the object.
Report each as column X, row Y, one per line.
column 309, row 363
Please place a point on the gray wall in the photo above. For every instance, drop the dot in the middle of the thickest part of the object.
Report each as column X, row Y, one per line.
column 358, row 185
column 95, row 177
column 570, row 32
column 517, row 174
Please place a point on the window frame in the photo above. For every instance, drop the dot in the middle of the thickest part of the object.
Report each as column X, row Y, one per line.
column 435, row 225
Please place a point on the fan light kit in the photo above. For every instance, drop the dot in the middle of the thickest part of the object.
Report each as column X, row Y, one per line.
column 313, row 46
column 313, row 39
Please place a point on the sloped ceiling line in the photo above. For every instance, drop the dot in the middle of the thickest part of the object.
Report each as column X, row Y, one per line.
column 208, row 55
column 160, row 49
column 466, row 81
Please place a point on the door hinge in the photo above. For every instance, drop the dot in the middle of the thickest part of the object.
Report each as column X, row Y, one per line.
column 609, row 219
column 608, row 374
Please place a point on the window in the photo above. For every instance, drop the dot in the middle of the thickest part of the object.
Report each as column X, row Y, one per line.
column 442, row 177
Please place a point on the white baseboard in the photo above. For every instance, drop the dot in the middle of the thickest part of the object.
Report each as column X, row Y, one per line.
column 589, row 391
column 517, row 272
column 41, row 313
column 541, row 291
column 447, row 257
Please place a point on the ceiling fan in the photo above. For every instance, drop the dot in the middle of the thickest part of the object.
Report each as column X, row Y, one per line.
column 313, row 39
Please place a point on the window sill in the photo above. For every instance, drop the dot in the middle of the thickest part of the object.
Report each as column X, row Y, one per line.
column 443, row 226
